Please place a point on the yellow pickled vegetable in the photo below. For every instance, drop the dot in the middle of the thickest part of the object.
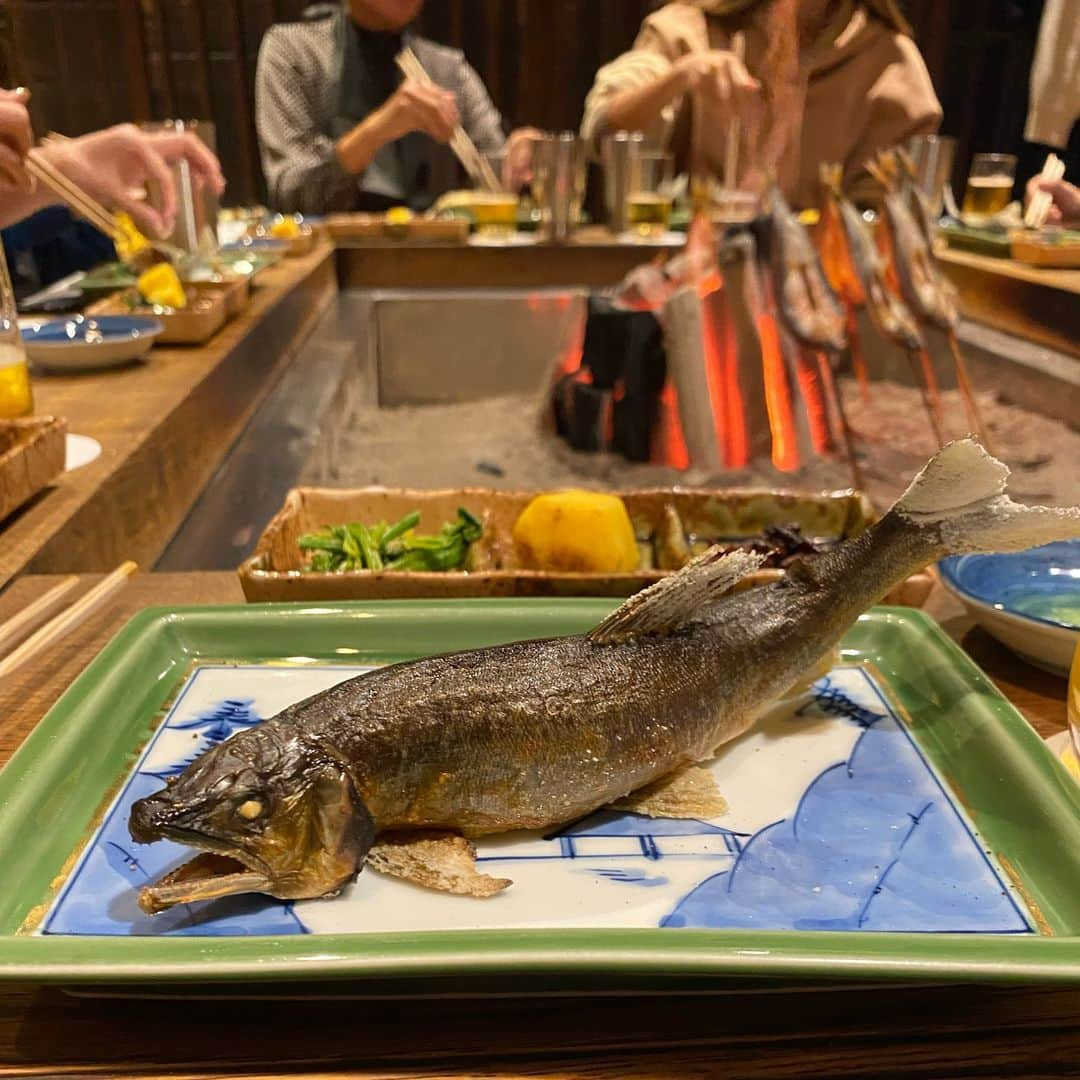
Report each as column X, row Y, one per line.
column 127, row 239
column 397, row 221
column 161, row 286
column 576, row 530
column 285, row 228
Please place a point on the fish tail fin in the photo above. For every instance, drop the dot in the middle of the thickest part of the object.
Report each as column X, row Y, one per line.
column 960, row 495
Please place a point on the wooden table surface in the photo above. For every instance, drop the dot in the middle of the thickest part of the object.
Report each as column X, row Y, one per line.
column 909, row 1032
column 164, row 426
column 1038, row 303
column 594, row 257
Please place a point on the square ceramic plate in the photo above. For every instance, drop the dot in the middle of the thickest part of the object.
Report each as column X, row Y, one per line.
column 902, row 822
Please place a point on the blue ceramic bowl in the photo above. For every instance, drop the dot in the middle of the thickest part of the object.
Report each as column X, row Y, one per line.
column 1029, row 601
column 83, row 343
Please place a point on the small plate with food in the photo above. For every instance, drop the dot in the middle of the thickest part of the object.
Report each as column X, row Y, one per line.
column 562, row 543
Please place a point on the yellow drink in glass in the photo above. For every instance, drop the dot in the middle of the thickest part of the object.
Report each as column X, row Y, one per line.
column 495, row 213
column 987, row 195
column 648, row 212
column 1072, row 710
column 15, row 396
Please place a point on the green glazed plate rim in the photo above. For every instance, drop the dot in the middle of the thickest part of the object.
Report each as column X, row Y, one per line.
column 33, row 788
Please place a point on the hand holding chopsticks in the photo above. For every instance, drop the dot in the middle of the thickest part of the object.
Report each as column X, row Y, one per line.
column 474, row 162
column 62, row 624
column 1041, row 201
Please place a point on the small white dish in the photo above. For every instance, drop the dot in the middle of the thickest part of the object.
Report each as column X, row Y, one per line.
column 87, row 344
column 81, row 450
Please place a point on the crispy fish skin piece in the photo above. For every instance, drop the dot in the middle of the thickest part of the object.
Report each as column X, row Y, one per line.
column 537, row 733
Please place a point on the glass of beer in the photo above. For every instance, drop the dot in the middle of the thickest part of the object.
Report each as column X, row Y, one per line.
column 649, row 198
column 989, row 186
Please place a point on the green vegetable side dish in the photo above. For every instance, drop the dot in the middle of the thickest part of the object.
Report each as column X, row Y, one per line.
column 355, row 546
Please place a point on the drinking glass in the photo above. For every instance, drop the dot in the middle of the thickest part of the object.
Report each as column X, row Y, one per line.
column 650, row 198
column 15, row 396
column 559, row 182
column 933, row 156
column 617, row 152
column 196, row 212
column 989, row 185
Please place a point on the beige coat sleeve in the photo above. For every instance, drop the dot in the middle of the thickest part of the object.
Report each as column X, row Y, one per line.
column 1055, row 75
column 660, row 42
column 900, row 103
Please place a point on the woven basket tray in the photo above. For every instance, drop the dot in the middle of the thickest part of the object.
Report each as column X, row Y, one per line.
column 31, row 456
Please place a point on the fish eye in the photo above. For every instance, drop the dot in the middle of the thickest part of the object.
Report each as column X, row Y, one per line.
column 250, row 809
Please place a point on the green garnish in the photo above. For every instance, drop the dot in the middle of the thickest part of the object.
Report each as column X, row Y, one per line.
column 391, row 547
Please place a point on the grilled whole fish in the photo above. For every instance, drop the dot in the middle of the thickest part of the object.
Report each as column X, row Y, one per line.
column 537, row 733
column 808, row 306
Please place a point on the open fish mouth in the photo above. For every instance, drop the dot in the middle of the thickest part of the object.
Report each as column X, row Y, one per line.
column 206, row 877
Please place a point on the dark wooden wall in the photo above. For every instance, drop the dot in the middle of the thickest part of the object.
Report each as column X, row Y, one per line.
column 96, row 62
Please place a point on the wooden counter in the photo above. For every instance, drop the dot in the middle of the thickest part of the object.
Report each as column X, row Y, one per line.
column 164, row 425
column 593, row 258
column 1036, row 303
column 854, row 1031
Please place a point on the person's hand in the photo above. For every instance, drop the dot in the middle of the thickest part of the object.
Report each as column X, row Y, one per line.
column 116, row 164
column 1066, row 196
column 722, row 80
column 518, row 167
column 417, row 106
column 174, row 146
column 16, row 138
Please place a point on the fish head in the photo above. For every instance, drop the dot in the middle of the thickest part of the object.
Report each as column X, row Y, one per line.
column 269, row 817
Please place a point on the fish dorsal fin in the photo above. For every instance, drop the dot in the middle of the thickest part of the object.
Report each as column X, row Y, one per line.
column 679, row 600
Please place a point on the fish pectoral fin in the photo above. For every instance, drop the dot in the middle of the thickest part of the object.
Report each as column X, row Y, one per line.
column 444, row 861
column 690, row 792
column 680, row 600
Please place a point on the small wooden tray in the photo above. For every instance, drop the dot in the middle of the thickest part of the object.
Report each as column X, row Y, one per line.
column 236, row 291
column 372, row 228
column 274, row 572
column 205, row 315
column 32, row 455
column 303, row 243
column 1028, row 249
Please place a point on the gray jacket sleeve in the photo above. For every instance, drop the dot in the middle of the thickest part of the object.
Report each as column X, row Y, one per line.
column 479, row 117
column 301, row 167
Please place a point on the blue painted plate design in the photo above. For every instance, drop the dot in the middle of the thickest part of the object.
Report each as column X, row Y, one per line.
column 836, row 821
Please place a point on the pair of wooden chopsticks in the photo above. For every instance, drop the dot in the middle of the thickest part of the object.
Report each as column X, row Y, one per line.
column 44, row 627
column 83, row 204
column 1035, row 215
column 475, row 163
